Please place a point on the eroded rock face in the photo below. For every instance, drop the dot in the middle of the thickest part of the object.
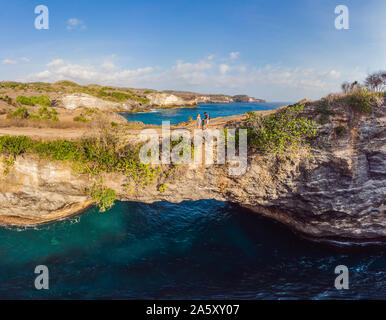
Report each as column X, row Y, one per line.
column 36, row 191
column 82, row 100
column 165, row 99
column 335, row 190
column 177, row 98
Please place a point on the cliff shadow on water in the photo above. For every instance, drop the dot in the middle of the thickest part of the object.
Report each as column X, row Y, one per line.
column 192, row 250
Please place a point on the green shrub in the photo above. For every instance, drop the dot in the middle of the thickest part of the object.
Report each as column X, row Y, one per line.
column 90, row 112
column 280, row 131
column 361, row 101
column 34, row 117
column 162, row 188
column 105, row 198
column 14, row 145
column 32, row 101
column 114, row 124
column 21, row 113
column 25, row 101
column 340, row 131
column 120, row 96
column 47, row 114
column 81, row 118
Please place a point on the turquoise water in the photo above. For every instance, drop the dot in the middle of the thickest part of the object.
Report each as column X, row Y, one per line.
column 194, row 250
column 214, row 110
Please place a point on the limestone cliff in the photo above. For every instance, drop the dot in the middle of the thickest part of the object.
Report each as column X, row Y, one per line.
column 337, row 190
column 182, row 98
column 154, row 99
column 82, row 100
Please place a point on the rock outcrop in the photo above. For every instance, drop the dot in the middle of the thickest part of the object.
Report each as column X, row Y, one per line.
column 336, row 190
column 82, row 100
column 181, row 98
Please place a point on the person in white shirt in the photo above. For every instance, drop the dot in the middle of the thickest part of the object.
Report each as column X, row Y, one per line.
column 199, row 121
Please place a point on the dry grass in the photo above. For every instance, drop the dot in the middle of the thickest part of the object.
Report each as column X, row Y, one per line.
column 43, row 124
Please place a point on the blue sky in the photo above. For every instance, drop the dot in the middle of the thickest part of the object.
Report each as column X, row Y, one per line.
column 277, row 50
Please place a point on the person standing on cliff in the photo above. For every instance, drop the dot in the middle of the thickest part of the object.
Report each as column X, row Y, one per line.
column 199, row 121
column 206, row 120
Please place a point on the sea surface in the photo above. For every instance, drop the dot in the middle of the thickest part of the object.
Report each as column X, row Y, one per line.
column 193, row 250
column 178, row 115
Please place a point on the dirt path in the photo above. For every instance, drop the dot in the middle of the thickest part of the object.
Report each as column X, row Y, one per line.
column 74, row 133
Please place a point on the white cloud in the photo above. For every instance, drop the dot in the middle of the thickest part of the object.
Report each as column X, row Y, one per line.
column 9, row 61
column 268, row 81
column 105, row 74
column 75, row 23
column 224, row 68
column 332, row 74
column 25, row 59
column 107, row 65
column 55, row 63
column 43, row 75
column 191, row 67
column 234, row 55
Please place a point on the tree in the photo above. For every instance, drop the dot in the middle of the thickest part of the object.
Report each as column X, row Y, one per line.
column 355, row 86
column 376, row 81
column 345, row 87
column 350, row 87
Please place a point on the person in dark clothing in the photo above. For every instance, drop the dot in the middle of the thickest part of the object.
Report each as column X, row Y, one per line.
column 206, row 120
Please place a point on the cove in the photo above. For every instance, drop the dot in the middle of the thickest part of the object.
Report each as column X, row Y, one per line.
column 178, row 115
column 192, row 250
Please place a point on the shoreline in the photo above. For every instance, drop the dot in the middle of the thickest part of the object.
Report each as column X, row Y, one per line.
column 18, row 221
column 78, row 209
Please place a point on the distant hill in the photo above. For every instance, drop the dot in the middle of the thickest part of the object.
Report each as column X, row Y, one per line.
column 71, row 95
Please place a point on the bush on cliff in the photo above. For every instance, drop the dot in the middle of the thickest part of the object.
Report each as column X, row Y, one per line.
column 285, row 130
column 14, row 145
column 104, row 197
column 361, row 101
